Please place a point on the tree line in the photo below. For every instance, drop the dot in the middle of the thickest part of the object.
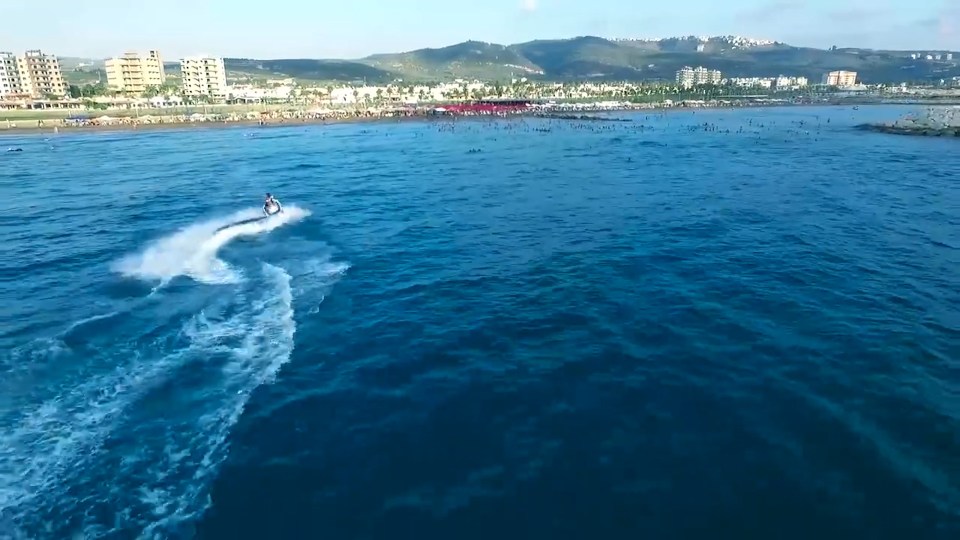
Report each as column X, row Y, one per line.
column 100, row 89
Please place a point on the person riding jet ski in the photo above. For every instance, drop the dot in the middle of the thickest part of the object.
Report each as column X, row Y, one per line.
column 271, row 205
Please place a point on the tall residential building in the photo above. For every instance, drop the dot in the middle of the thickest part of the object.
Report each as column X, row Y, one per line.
column 32, row 74
column 840, row 78
column 688, row 76
column 134, row 72
column 10, row 82
column 204, row 76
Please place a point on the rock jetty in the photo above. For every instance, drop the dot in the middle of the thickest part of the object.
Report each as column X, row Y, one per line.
column 934, row 122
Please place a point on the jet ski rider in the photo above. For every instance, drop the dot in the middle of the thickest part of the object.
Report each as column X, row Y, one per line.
column 271, row 205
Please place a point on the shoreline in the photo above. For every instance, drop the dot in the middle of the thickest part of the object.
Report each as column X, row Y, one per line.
column 183, row 126
column 588, row 114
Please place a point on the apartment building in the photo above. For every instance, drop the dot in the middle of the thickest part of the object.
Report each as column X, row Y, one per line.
column 689, row 77
column 40, row 74
column 840, row 78
column 134, row 72
column 204, row 76
column 32, row 74
column 10, row 82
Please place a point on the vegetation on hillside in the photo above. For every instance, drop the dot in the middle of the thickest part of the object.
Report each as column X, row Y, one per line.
column 306, row 69
column 597, row 58
column 580, row 58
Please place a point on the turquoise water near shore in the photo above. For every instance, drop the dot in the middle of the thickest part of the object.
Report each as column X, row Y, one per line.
column 713, row 323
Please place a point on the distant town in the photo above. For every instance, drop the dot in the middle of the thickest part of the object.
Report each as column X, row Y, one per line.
column 138, row 81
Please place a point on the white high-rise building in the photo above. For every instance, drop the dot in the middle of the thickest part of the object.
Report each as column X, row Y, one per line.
column 204, row 76
column 32, row 74
column 689, row 77
column 10, row 82
column 134, row 72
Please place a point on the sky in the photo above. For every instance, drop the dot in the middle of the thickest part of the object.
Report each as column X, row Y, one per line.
column 356, row 28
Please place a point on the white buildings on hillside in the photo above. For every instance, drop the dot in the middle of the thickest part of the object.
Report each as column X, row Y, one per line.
column 32, row 74
column 688, row 77
column 253, row 93
column 947, row 56
column 790, row 83
column 843, row 79
column 134, row 72
column 204, row 76
column 781, row 82
column 751, row 82
column 348, row 95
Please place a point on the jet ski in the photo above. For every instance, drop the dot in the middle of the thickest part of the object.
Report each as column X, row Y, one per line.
column 271, row 208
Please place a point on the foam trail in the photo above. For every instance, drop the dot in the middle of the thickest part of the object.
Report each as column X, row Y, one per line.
column 142, row 442
column 256, row 343
column 132, row 450
column 52, row 440
column 192, row 251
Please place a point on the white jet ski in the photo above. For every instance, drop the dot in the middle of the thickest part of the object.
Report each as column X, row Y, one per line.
column 271, row 208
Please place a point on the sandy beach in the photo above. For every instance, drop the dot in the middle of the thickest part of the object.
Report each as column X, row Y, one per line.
column 32, row 126
column 21, row 127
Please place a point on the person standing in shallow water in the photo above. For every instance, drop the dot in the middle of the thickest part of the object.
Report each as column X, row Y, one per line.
column 271, row 205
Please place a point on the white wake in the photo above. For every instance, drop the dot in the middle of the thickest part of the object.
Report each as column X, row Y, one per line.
column 142, row 442
column 192, row 251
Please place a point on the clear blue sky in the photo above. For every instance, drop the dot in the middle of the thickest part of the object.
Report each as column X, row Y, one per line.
column 355, row 28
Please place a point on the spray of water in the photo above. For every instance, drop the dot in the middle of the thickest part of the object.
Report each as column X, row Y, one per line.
column 192, row 251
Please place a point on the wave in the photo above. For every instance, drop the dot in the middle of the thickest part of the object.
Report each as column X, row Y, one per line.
column 132, row 450
column 192, row 251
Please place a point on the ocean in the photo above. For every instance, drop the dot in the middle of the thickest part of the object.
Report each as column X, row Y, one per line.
column 695, row 324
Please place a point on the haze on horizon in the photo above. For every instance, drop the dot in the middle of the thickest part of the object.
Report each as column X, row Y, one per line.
column 325, row 29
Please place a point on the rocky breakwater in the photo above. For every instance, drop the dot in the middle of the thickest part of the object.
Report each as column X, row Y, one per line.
column 934, row 122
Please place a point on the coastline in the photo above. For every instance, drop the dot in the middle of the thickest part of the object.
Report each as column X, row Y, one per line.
column 182, row 126
column 127, row 124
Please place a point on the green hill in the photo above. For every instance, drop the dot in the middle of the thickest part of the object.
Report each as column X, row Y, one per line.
column 470, row 59
column 313, row 70
column 593, row 57
column 586, row 57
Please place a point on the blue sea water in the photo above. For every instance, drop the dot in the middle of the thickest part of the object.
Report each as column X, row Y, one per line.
column 712, row 324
